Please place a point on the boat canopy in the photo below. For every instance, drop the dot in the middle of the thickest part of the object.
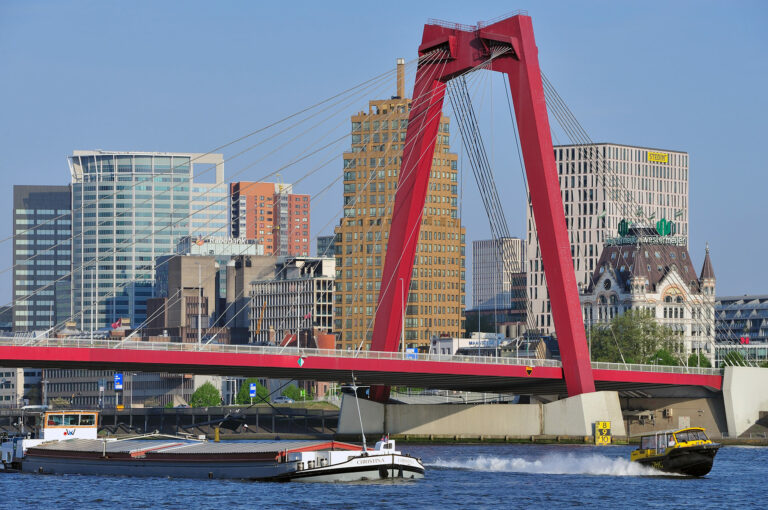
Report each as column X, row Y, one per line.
column 667, row 438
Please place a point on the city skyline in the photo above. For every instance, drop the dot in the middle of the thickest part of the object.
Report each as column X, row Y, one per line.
column 225, row 109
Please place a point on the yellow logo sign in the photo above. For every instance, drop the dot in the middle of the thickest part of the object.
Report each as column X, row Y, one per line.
column 528, row 370
column 658, row 157
column 602, row 432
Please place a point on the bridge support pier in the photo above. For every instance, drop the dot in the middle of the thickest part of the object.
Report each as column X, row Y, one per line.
column 573, row 416
column 745, row 396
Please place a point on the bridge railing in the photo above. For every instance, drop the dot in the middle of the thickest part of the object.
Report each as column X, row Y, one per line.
column 100, row 343
column 666, row 369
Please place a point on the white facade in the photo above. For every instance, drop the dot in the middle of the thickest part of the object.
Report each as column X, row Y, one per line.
column 449, row 345
column 600, row 185
column 494, row 264
column 219, row 246
column 659, row 280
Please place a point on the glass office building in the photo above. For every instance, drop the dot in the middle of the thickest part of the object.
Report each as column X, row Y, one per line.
column 128, row 208
column 42, row 229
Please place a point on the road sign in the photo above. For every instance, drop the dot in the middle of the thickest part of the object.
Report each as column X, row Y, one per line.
column 118, row 382
column 411, row 353
column 252, row 390
column 602, row 432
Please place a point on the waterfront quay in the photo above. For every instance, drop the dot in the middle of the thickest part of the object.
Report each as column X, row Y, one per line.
column 258, row 422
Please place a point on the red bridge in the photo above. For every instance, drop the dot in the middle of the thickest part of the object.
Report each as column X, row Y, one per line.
column 506, row 46
column 466, row 373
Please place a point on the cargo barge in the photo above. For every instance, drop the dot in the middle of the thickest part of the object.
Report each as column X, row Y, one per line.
column 69, row 445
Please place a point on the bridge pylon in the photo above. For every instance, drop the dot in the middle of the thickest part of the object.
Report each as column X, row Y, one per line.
column 507, row 46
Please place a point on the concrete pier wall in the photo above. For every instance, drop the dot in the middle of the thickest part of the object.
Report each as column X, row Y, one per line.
column 745, row 395
column 644, row 415
column 573, row 416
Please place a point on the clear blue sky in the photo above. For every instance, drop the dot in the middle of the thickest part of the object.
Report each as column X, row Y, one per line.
column 188, row 76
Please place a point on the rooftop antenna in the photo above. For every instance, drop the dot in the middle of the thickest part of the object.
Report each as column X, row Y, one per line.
column 360, row 416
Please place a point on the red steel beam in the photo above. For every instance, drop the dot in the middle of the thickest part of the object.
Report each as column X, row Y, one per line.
column 323, row 367
column 465, row 50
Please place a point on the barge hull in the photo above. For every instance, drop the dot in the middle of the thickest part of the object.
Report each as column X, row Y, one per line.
column 244, row 470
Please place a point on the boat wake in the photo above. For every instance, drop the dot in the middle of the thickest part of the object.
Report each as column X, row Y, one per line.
column 553, row 464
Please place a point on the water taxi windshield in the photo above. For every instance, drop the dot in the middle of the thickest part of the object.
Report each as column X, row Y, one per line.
column 685, row 436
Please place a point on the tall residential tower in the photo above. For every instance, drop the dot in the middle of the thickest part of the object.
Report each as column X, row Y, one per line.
column 272, row 214
column 371, row 170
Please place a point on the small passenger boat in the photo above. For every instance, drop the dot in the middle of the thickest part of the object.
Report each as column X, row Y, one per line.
column 685, row 451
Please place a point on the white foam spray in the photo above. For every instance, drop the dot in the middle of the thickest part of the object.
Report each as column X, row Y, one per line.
column 554, row 464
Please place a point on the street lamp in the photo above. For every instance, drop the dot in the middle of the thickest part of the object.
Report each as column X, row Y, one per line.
column 130, row 395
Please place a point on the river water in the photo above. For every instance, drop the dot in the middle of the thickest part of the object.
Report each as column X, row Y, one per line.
column 458, row 476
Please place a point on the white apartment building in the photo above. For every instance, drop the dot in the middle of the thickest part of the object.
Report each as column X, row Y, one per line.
column 601, row 184
column 495, row 264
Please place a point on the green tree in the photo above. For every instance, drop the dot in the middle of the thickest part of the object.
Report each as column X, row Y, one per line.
column 764, row 364
column 663, row 357
column 636, row 335
column 205, row 396
column 292, row 392
column 243, row 394
column 734, row 358
column 698, row 360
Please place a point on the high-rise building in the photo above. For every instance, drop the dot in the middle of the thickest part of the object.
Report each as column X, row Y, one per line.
column 128, row 209
column 602, row 184
column 209, row 201
column 498, row 284
column 495, row 265
column 42, row 228
column 371, row 168
column 19, row 386
column 271, row 213
column 326, row 246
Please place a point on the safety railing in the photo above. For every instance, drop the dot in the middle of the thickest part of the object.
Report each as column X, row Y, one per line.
column 480, row 24
column 97, row 343
column 667, row 369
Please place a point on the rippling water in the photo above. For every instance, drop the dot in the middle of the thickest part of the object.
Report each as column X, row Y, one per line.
column 478, row 476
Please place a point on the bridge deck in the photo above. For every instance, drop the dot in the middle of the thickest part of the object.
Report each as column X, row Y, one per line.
column 465, row 373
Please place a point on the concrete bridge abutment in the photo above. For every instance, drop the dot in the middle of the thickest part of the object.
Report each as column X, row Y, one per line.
column 745, row 397
column 573, row 416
